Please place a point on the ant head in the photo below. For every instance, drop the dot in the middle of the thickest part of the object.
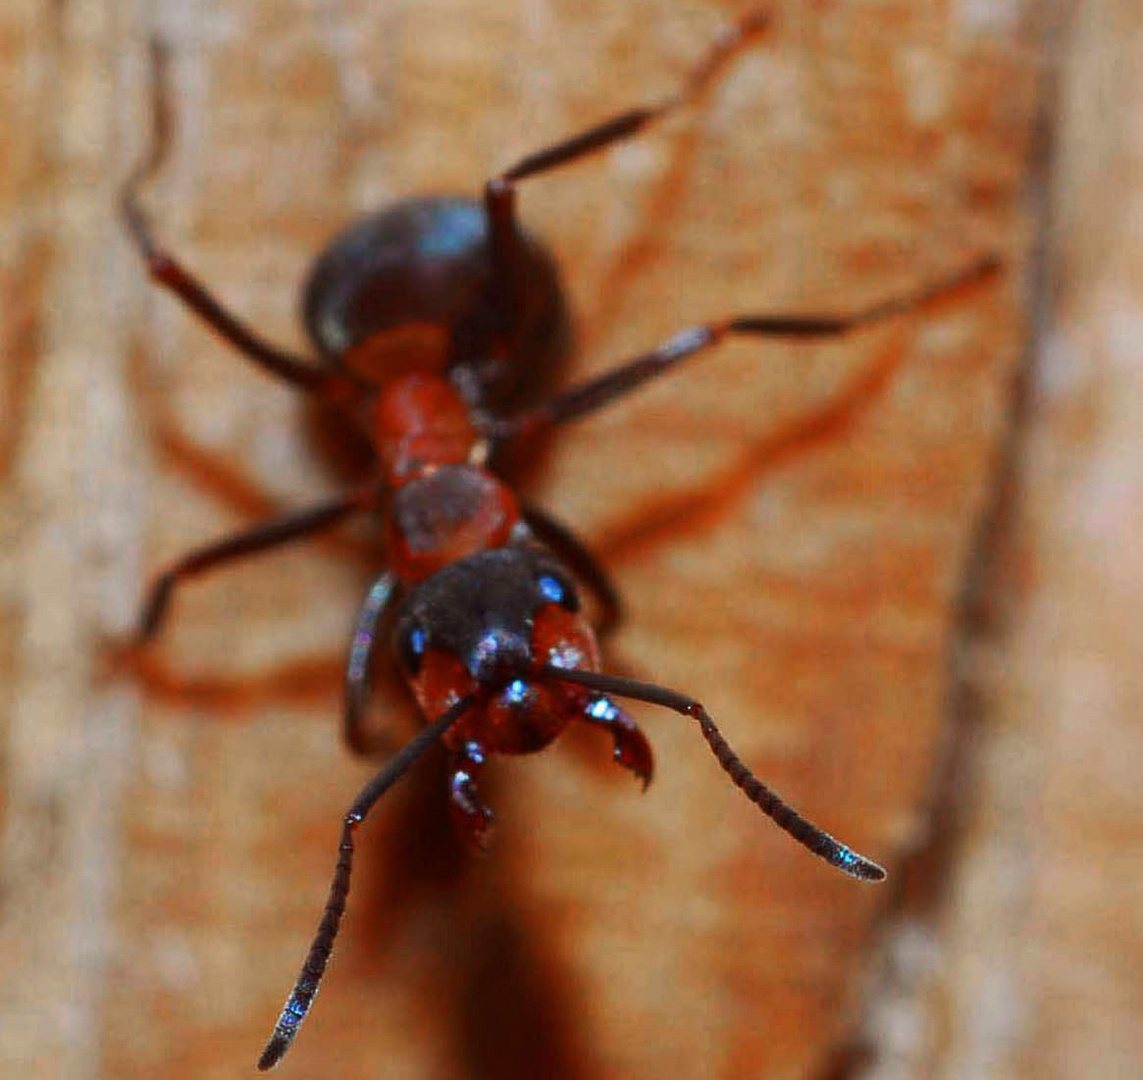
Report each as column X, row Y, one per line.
column 482, row 612
column 485, row 626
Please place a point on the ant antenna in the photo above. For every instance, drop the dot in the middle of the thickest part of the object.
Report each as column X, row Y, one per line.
column 309, row 978
column 769, row 802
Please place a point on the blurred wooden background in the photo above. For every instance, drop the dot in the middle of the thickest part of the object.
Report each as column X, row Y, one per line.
column 903, row 571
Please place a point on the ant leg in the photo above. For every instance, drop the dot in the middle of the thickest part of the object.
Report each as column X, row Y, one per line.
column 589, row 396
column 261, row 538
column 583, row 563
column 377, row 602
column 632, row 750
column 500, row 192
column 472, row 819
column 165, row 269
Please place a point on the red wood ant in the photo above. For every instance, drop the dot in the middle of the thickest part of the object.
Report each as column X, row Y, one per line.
column 433, row 319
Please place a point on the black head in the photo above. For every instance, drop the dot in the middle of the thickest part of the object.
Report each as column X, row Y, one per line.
column 482, row 610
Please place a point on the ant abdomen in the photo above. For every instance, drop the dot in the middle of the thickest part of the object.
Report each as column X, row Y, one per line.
column 413, row 288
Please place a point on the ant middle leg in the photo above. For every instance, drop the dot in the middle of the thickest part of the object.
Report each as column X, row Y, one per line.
column 262, row 537
column 508, row 249
column 165, row 269
column 612, row 385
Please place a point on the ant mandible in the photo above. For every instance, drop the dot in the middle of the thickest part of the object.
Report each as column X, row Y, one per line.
column 432, row 317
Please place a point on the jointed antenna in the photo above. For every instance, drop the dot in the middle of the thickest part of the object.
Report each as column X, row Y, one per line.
column 309, row 978
column 769, row 802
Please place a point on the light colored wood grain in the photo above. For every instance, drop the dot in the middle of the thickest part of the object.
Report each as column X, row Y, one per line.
column 1032, row 966
column 164, row 866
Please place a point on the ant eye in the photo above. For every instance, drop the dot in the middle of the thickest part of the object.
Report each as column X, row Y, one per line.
column 412, row 645
column 555, row 590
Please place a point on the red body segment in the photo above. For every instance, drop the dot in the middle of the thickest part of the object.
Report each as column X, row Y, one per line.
column 389, row 354
column 441, row 506
column 441, row 683
column 444, row 514
column 418, row 420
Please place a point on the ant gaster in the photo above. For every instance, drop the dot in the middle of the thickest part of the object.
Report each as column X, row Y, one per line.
column 432, row 319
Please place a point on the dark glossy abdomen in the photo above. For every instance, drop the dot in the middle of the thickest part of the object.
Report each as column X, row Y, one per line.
column 411, row 287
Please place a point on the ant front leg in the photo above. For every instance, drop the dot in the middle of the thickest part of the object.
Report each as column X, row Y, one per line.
column 500, row 192
column 378, row 602
column 165, row 269
column 472, row 819
column 612, row 385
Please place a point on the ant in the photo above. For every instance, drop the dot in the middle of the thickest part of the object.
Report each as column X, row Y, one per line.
column 433, row 319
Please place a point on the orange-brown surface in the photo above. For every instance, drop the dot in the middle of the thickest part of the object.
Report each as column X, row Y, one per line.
column 1024, row 957
column 791, row 528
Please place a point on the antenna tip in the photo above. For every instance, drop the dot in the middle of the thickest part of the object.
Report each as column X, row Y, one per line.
column 284, row 1031
column 857, row 866
column 275, row 1048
